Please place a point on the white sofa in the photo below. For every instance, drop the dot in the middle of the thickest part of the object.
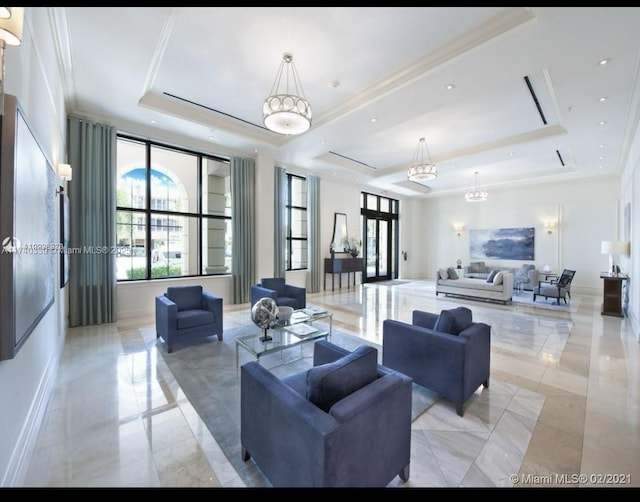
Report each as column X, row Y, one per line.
column 468, row 287
column 525, row 275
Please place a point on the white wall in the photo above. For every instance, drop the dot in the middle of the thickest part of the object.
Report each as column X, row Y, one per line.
column 32, row 75
column 586, row 213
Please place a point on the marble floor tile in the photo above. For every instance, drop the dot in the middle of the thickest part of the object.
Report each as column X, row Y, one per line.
column 564, row 399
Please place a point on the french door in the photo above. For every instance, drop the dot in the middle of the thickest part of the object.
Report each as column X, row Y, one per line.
column 380, row 222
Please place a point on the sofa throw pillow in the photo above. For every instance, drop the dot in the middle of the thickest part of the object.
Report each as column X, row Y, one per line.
column 444, row 323
column 492, row 274
column 329, row 383
column 477, row 267
column 451, row 273
column 442, row 274
column 498, row 278
column 523, row 272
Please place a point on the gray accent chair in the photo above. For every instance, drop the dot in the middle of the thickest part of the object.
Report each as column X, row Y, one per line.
column 284, row 294
column 187, row 313
column 557, row 288
column 447, row 353
column 346, row 422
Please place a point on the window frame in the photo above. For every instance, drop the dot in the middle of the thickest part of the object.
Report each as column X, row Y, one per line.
column 290, row 208
column 166, row 215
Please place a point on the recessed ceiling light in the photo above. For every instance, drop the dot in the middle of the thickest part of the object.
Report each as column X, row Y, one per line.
column 153, row 121
column 334, row 83
column 602, row 122
column 322, row 142
column 255, row 151
column 601, row 145
column 601, row 158
column 603, row 62
column 449, row 87
column 603, row 98
column 512, row 154
column 374, row 119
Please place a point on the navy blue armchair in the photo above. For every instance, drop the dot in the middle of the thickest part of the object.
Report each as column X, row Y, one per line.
column 186, row 313
column 284, row 294
column 346, row 422
column 447, row 353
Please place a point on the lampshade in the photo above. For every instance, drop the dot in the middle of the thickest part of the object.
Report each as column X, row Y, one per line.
column 5, row 12
column 614, row 247
column 283, row 111
column 11, row 27
column 64, row 172
column 422, row 169
column 475, row 194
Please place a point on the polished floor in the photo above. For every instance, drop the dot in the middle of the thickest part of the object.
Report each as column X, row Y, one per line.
column 563, row 407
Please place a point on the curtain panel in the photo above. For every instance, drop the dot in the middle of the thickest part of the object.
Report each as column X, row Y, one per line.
column 279, row 221
column 314, row 272
column 243, row 227
column 92, row 200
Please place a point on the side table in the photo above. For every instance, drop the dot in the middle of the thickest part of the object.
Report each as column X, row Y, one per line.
column 612, row 294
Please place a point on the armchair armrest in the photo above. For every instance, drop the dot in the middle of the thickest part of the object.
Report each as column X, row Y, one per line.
column 166, row 316
column 298, row 293
column 213, row 304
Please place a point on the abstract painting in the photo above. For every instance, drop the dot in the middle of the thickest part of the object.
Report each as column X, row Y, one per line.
column 502, row 243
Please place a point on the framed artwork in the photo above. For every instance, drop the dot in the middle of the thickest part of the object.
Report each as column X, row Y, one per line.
column 64, row 239
column 502, row 243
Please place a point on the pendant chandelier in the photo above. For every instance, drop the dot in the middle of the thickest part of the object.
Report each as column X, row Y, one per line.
column 285, row 111
column 422, row 169
column 475, row 194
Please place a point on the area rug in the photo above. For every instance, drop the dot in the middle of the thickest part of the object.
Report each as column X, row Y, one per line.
column 526, row 298
column 206, row 371
column 394, row 282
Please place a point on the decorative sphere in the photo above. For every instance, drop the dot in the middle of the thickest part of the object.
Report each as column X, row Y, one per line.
column 264, row 313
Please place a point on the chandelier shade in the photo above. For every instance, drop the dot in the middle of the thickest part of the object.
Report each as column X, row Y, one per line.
column 422, row 168
column 285, row 111
column 475, row 194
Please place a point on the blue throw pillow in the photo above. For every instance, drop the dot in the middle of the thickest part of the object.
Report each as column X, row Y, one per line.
column 451, row 273
column 329, row 383
column 444, row 323
column 492, row 275
column 453, row 321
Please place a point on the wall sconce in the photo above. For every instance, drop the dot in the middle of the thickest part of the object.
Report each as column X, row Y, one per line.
column 458, row 229
column 65, row 174
column 10, row 33
column 549, row 225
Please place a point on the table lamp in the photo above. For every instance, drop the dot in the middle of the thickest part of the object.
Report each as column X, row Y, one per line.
column 611, row 248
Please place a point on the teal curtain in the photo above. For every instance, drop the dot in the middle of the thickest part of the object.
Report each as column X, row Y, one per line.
column 279, row 219
column 314, row 268
column 92, row 201
column 243, row 174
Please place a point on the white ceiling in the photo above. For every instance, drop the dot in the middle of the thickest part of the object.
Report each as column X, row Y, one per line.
column 205, row 72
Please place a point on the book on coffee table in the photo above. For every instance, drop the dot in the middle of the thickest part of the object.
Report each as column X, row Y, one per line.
column 314, row 310
column 301, row 330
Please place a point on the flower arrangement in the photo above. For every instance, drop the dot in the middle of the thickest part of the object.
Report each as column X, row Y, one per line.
column 352, row 246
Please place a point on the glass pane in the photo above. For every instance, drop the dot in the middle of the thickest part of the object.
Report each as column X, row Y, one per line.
column 174, row 181
column 172, row 238
column 299, row 223
column 382, row 243
column 372, row 202
column 298, row 191
column 216, row 246
column 372, row 248
column 216, row 187
column 384, row 205
column 131, row 179
column 298, row 254
column 131, row 236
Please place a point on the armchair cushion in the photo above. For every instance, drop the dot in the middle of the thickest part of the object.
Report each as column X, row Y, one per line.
column 453, row 321
column 329, row 383
column 185, row 297
column 275, row 283
column 191, row 318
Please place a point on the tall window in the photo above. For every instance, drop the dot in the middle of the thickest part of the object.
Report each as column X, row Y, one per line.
column 296, row 222
column 173, row 214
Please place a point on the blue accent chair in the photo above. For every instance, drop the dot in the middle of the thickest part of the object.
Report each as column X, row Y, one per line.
column 447, row 353
column 346, row 422
column 282, row 293
column 187, row 313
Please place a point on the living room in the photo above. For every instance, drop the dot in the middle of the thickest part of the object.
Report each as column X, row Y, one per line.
column 434, row 233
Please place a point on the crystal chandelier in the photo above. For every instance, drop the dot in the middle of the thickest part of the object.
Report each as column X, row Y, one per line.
column 475, row 194
column 422, row 169
column 286, row 112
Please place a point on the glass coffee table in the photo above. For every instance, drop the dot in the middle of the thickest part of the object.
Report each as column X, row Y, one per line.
column 298, row 331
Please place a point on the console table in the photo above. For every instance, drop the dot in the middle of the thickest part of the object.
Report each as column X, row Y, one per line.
column 612, row 296
column 339, row 266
